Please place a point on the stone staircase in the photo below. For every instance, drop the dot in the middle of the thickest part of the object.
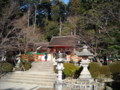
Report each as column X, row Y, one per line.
column 41, row 74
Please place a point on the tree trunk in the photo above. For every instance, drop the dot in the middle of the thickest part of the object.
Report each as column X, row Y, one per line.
column 35, row 17
column 60, row 30
column 74, row 32
column 96, row 45
column 28, row 16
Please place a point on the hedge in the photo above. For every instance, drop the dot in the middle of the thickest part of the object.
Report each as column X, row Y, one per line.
column 115, row 67
column 70, row 69
column 94, row 68
column 6, row 67
column 24, row 66
column 105, row 70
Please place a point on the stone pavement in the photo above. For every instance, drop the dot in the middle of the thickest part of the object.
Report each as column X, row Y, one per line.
column 45, row 89
column 17, row 86
column 40, row 77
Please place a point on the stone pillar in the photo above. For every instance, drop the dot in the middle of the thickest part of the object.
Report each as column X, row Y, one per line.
column 18, row 62
column 59, row 83
column 60, row 68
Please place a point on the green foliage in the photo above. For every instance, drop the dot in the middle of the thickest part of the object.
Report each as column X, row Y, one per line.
column 45, row 1
column 6, row 67
column 3, row 3
column 70, row 25
column 27, row 66
column 30, row 1
column 30, row 57
column 55, row 12
column 52, row 29
column 66, row 31
column 24, row 66
column 105, row 70
column 116, row 83
column 115, row 67
column 94, row 69
column 95, row 22
column 75, row 7
column 69, row 69
column 98, row 16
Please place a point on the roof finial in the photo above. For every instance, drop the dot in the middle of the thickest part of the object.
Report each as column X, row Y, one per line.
column 85, row 47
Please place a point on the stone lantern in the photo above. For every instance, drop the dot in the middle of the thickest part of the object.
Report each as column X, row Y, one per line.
column 85, row 53
column 85, row 81
column 18, row 60
column 60, row 67
column 59, row 83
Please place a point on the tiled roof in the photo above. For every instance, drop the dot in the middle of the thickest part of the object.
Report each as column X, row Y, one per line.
column 41, row 45
column 63, row 41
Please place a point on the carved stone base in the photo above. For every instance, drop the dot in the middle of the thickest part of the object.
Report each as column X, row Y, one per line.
column 59, row 85
column 85, row 84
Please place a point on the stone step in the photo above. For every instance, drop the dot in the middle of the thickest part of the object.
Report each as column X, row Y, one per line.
column 29, row 82
column 29, row 79
column 41, row 74
column 37, row 75
column 44, row 66
column 29, row 76
column 34, row 73
column 47, row 63
column 47, row 71
column 44, row 69
column 41, row 70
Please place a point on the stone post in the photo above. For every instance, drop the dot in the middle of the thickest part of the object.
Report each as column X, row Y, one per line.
column 59, row 82
column 18, row 62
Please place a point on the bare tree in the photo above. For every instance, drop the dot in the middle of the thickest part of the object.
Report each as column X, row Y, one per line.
column 70, row 25
column 26, row 35
column 7, row 30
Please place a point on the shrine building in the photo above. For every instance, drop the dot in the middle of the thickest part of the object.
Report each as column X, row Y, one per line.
column 63, row 44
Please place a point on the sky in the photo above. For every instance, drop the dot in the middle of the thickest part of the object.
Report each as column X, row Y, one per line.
column 65, row 1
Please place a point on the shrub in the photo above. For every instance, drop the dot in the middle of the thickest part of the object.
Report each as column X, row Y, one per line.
column 105, row 70
column 24, row 66
column 27, row 66
column 70, row 69
column 94, row 69
column 115, row 67
column 6, row 67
